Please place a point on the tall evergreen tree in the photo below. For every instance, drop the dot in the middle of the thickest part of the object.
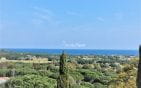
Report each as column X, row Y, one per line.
column 139, row 70
column 62, row 81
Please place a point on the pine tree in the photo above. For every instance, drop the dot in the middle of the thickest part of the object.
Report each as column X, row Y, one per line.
column 139, row 70
column 62, row 81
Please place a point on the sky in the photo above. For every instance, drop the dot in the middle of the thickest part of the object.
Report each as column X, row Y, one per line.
column 70, row 24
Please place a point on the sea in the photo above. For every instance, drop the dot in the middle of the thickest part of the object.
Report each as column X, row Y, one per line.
column 78, row 51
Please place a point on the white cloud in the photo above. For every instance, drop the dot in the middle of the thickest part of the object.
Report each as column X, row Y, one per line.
column 43, row 15
column 73, row 44
column 43, row 10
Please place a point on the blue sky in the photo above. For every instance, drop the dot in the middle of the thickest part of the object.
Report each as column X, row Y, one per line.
column 75, row 24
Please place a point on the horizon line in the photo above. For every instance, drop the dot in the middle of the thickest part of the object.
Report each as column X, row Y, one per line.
column 71, row 48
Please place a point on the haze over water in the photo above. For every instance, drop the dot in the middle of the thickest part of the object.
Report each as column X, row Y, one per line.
column 78, row 51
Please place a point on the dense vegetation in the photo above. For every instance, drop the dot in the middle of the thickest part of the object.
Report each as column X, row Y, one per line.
column 139, row 69
column 83, row 72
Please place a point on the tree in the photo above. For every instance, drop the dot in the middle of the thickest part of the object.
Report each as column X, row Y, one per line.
column 62, row 81
column 139, row 70
column 31, row 81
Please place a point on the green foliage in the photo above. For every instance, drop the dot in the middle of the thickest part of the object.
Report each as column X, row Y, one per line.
column 91, row 76
column 76, row 75
column 86, row 85
column 139, row 69
column 54, row 75
column 53, row 68
column 94, row 72
column 99, row 85
column 31, row 81
column 62, row 81
column 5, row 72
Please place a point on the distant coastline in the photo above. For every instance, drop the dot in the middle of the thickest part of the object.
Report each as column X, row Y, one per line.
column 77, row 51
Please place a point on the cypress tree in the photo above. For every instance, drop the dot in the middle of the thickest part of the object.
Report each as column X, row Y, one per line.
column 62, row 81
column 139, row 70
